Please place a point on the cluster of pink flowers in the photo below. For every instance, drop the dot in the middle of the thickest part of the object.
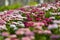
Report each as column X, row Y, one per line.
column 35, row 16
column 29, row 20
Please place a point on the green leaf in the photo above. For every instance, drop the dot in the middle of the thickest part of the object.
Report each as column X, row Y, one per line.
column 47, row 14
column 31, row 28
column 9, row 29
column 55, row 31
column 24, row 15
column 1, row 38
column 57, row 17
column 42, row 36
column 32, row 3
column 58, row 9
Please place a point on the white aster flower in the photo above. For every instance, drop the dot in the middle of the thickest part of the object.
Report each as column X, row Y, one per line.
column 2, row 27
column 52, row 17
column 21, row 24
column 56, row 21
column 52, row 26
column 13, row 26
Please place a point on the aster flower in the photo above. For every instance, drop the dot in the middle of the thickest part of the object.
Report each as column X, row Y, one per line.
column 3, row 27
column 29, row 33
column 28, row 24
column 55, row 36
column 38, row 19
column 7, row 39
column 5, row 34
column 18, row 32
column 13, row 26
column 47, row 32
column 13, row 36
column 56, row 21
column 2, row 21
column 52, row 26
column 38, row 24
column 34, row 17
column 26, row 38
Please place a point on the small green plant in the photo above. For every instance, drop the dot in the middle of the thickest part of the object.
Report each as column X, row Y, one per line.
column 47, row 14
column 57, row 17
column 32, row 3
column 14, row 6
column 58, row 9
column 11, row 7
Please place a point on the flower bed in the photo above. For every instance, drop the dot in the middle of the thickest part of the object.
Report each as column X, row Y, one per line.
column 39, row 22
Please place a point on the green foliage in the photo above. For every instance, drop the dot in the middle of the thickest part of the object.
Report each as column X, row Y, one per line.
column 58, row 9
column 51, row 10
column 41, row 37
column 10, row 7
column 31, row 28
column 9, row 29
column 57, row 17
column 47, row 14
column 32, row 3
column 2, row 8
column 14, row 6
column 24, row 15
column 1, row 38
column 55, row 31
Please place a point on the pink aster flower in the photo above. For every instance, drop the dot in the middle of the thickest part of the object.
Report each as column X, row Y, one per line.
column 26, row 38
column 5, row 34
column 14, row 39
column 2, row 21
column 13, row 36
column 32, row 37
column 47, row 32
column 18, row 32
column 38, row 24
column 55, row 36
column 7, row 39
column 11, row 39
column 28, row 33
column 10, row 11
column 40, row 32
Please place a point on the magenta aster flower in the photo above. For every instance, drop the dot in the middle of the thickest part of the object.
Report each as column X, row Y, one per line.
column 48, row 20
column 28, row 24
column 38, row 19
column 29, row 19
column 33, row 10
column 22, row 9
column 45, row 22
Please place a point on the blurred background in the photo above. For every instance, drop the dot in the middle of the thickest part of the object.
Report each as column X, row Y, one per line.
column 13, row 4
column 23, row 2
